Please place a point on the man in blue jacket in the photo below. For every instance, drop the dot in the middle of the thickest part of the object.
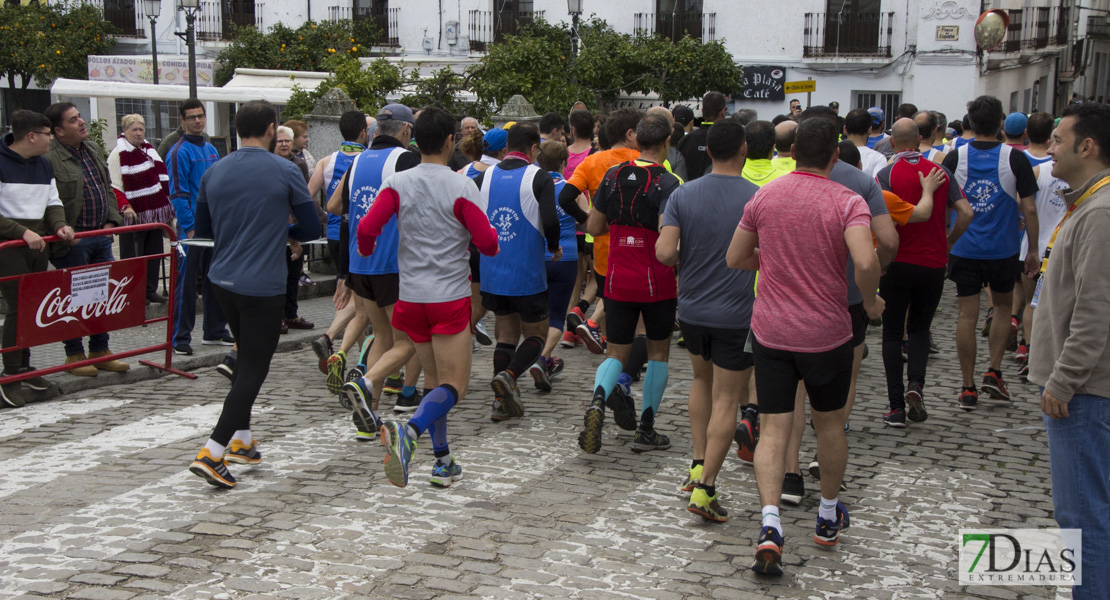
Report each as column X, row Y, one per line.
column 187, row 162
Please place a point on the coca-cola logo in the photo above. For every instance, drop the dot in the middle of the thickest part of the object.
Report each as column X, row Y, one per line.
column 57, row 309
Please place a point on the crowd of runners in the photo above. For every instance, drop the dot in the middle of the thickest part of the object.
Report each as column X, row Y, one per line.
column 764, row 248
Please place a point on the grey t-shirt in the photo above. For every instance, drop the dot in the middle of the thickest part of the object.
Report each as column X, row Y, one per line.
column 866, row 186
column 249, row 194
column 707, row 212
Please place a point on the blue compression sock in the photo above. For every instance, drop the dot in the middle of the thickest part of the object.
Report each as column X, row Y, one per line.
column 408, row 390
column 607, row 373
column 655, row 382
column 438, row 431
column 432, row 407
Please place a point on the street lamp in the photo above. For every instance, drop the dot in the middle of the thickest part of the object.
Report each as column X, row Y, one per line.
column 153, row 9
column 191, row 8
column 574, row 8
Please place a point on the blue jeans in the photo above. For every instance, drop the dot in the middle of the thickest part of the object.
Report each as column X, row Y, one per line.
column 1079, row 453
column 87, row 251
column 194, row 265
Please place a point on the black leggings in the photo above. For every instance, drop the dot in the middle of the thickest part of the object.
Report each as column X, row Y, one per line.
column 144, row 243
column 914, row 290
column 256, row 324
column 293, row 271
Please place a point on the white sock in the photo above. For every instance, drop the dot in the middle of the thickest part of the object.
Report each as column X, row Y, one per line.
column 216, row 450
column 828, row 509
column 244, row 436
column 444, row 460
column 771, row 518
column 412, row 431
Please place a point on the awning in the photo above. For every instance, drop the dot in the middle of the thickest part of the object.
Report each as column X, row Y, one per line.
column 247, row 85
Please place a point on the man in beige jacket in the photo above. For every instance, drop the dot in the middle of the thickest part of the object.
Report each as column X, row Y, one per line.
column 1070, row 357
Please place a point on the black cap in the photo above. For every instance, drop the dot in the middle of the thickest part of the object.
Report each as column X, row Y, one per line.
column 834, row 104
column 682, row 114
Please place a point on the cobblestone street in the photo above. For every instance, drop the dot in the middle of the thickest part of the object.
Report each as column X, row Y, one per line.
column 96, row 501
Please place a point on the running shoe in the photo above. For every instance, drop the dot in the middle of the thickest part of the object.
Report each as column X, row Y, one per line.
column 555, row 365
column 793, row 488
column 624, row 384
column 646, row 441
column 590, row 333
column 355, row 394
column 394, row 384
column 992, row 384
column 355, row 373
column 444, row 475
column 212, row 470
column 183, row 349
column 747, row 429
column 569, row 339
column 408, row 403
column 11, row 395
column 969, row 398
column 915, row 403
column 905, row 351
column 706, row 506
column 337, row 363
column 622, row 405
column 681, row 341
column 1023, row 371
column 482, row 336
column 693, row 478
column 37, row 382
column 746, row 456
column 828, row 532
column 366, row 423
column 589, row 439
column 895, row 418
column 538, row 371
column 933, row 347
column 768, row 552
column 243, row 454
column 497, row 413
column 575, row 318
column 396, row 440
column 506, row 391
column 323, row 348
column 987, row 324
column 1022, row 351
column 227, row 367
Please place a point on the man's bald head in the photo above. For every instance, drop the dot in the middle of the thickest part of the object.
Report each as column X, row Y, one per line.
column 904, row 135
column 926, row 123
column 784, row 136
column 661, row 111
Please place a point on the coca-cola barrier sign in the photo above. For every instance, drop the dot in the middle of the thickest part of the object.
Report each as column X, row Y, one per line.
column 47, row 312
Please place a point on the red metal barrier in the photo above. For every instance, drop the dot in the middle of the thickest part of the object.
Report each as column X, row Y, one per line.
column 48, row 312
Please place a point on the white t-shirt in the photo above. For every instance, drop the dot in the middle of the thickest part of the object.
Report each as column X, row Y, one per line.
column 871, row 161
column 1051, row 208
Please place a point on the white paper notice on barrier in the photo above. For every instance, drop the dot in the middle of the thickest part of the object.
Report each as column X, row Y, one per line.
column 88, row 287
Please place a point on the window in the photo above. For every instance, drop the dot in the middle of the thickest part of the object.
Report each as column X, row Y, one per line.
column 674, row 19
column 888, row 101
column 851, row 24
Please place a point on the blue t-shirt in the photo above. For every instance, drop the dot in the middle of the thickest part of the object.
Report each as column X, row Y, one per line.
column 367, row 173
column 250, row 219
column 568, row 233
column 513, row 210
column 707, row 212
column 337, row 167
column 994, row 177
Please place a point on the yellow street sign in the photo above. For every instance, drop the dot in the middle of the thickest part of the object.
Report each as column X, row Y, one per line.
column 798, row 87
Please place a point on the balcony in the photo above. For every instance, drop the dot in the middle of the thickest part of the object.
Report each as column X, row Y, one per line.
column 1013, row 39
column 489, row 27
column 700, row 26
column 217, row 21
column 861, row 35
column 1059, row 26
column 1098, row 28
column 125, row 15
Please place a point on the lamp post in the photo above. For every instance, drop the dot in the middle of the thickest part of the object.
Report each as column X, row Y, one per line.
column 574, row 8
column 153, row 9
column 191, row 7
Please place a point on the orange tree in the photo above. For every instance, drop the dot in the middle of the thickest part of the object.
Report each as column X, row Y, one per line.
column 43, row 43
column 306, row 48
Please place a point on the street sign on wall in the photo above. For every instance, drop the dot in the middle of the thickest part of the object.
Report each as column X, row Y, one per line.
column 763, row 82
column 801, row 87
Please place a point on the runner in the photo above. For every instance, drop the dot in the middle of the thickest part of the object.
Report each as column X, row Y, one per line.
column 493, row 152
column 375, row 279
column 715, row 302
column 252, row 293
column 630, row 202
column 329, row 171
column 561, row 275
column 438, row 213
column 800, row 321
column 520, row 204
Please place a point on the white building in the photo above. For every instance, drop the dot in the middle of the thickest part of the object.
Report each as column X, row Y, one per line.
column 861, row 53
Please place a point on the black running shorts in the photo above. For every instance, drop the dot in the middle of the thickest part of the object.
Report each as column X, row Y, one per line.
column 860, row 320
column 723, row 347
column 621, row 319
column 383, row 290
column 532, row 308
column 971, row 274
column 827, row 376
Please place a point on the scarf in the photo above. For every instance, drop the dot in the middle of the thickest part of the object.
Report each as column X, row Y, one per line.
column 145, row 182
column 910, row 155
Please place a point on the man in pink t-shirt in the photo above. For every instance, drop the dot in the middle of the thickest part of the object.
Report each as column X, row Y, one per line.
column 806, row 228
